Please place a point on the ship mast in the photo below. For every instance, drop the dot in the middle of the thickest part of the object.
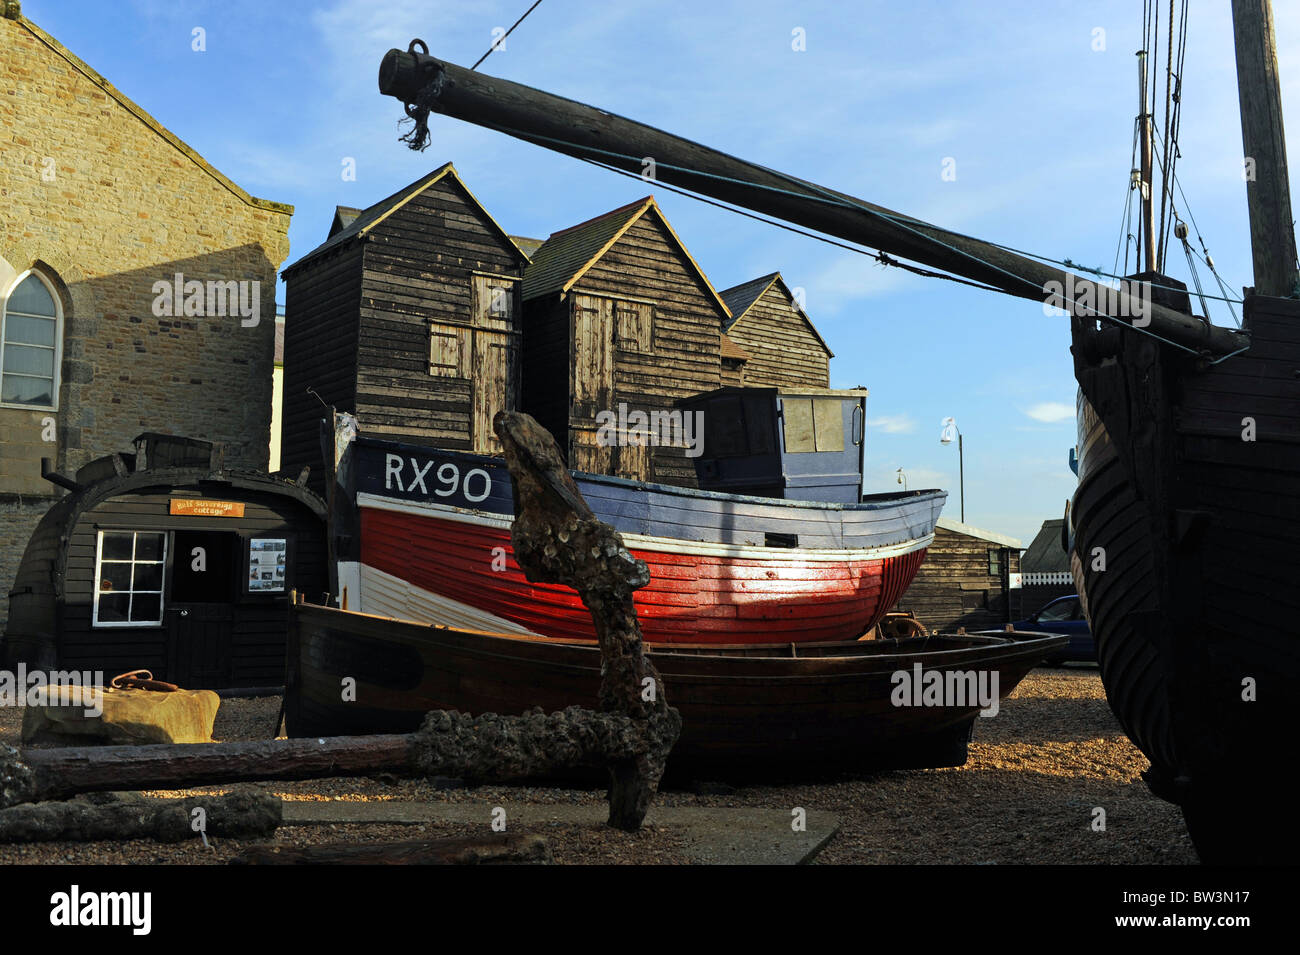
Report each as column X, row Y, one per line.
column 1148, row 214
column 1263, row 140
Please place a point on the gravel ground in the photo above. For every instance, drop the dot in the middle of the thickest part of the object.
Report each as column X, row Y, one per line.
column 1037, row 772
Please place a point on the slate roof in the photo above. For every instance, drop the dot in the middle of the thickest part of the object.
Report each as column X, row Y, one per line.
column 344, row 216
column 1045, row 554
column 371, row 216
column 740, row 298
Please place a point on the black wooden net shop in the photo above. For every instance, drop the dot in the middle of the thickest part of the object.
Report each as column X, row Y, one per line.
column 163, row 559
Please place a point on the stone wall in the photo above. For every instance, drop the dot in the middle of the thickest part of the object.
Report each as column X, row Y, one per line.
column 104, row 202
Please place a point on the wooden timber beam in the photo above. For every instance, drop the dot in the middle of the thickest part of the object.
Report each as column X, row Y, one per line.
column 586, row 132
column 1263, row 140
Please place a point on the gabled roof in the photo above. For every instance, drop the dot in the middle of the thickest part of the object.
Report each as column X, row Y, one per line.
column 741, row 298
column 366, row 219
column 13, row 11
column 1045, row 554
column 568, row 254
column 344, row 216
column 957, row 527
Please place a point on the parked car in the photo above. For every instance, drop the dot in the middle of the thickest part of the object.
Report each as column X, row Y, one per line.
column 1063, row 615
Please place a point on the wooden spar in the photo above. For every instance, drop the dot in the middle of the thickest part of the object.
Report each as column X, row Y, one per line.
column 1144, row 121
column 1263, row 140
column 583, row 131
column 59, row 773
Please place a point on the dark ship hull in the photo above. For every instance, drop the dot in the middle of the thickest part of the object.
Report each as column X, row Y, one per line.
column 1186, row 550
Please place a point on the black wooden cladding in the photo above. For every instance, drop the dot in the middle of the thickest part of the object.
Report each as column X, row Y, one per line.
column 358, row 320
column 247, row 636
column 320, row 348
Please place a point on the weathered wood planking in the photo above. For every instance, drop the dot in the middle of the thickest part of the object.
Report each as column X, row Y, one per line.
column 640, row 326
column 785, row 350
column 391, row 319
column 954, row 588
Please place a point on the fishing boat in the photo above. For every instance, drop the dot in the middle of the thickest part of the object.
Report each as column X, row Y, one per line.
column 747, row 711
column 431, row 542
column 1187, row 511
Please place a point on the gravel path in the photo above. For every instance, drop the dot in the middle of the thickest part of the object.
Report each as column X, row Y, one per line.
column 1037, row 772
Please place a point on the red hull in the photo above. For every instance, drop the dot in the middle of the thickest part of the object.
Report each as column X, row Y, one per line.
column 690, row 598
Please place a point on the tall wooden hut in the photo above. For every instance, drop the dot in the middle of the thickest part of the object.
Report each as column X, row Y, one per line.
column 778, row 340
column 408, row 315
column 618, row 313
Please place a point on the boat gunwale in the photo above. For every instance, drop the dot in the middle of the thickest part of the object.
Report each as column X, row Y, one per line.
column 990, row 645
column 870, row 502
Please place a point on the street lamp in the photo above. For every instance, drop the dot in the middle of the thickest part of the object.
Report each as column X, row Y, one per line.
column 950, row 428
column 902, row 479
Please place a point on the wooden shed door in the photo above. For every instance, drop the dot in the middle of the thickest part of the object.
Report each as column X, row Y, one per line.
column 496, row 384
column 593, row 379
column 199, row 652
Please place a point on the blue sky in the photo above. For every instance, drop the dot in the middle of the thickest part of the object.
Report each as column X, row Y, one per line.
column 1038, row 123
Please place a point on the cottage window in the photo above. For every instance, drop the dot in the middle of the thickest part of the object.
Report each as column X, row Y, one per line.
column 129, row 578
column 30, row 342
column 995, row 562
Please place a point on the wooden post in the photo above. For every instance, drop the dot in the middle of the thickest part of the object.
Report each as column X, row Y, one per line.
column 1263, row 140
column 427, row 83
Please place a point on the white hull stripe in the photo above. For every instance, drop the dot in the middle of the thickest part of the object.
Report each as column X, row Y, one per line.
column 665, row 545
column 388, row 596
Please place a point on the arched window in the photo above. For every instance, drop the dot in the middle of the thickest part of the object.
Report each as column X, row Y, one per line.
column 30, row 343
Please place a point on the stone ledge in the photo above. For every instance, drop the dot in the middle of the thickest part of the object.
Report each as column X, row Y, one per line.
column 719, row 836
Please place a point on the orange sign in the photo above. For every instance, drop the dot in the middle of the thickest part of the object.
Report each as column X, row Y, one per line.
column 205, row 508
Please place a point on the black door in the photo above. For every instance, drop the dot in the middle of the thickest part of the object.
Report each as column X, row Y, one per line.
column 201, row 609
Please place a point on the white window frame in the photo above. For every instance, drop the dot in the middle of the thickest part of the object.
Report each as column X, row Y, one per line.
column 58, row 338
column 99, row 559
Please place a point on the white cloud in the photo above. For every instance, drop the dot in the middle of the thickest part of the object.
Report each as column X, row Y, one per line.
column 893, row 424
column 1051, row 412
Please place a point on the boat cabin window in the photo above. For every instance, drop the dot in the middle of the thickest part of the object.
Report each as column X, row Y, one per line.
column 129, row 578
column 812, row 424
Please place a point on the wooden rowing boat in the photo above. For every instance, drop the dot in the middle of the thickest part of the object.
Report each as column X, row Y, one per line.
column 806, row 709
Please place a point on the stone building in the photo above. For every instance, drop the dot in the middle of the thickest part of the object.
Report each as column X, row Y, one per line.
column 137, row 284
